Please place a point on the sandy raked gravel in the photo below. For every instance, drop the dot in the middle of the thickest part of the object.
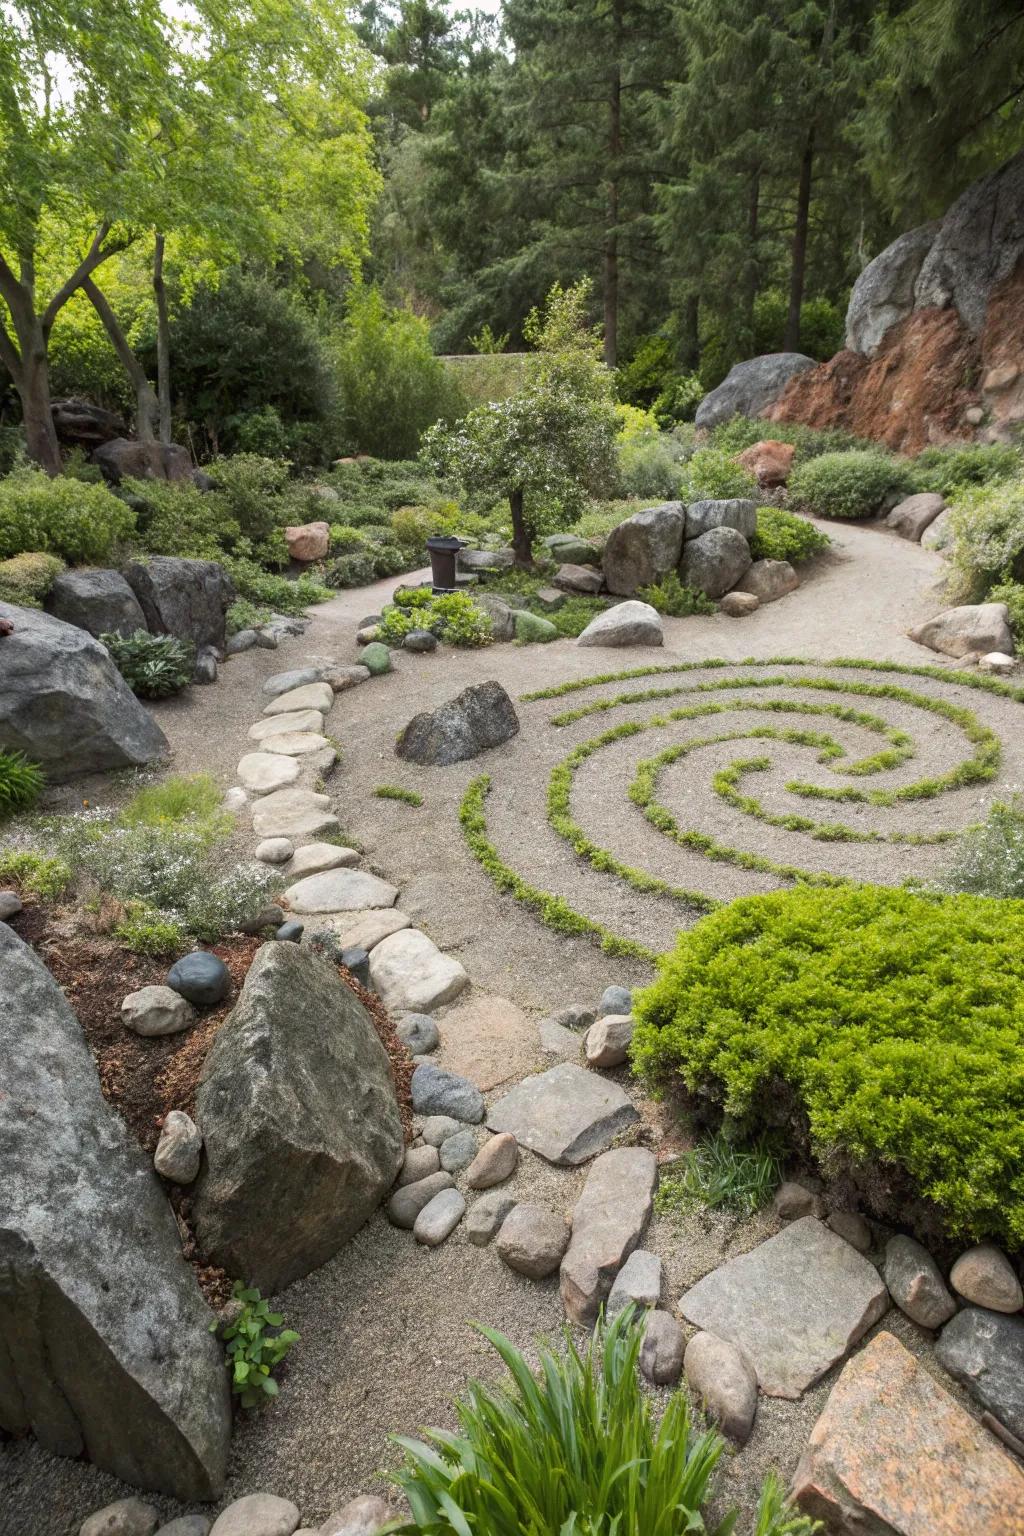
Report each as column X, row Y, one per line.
column 386, row 1326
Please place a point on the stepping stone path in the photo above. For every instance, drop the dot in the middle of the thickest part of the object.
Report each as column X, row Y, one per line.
column 794, row 1305
column 437, row 1092
column 315, row 858
column 340, row 890
column 893, row 1452
column 313, row 696
column 607, row 1223
column 532, row 1240
column 262, row 772
column 566, row 1114
column 410, row 973
column 302, row 722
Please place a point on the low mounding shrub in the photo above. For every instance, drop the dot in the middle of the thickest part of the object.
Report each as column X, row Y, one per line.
column 1012, row 594
column 80, row 523
column 454, row 618
column 809, row 442
column 989, row 859
column 851, row 484
column 670, row 596
column 21, row 782
column 889, row 1026
column 712, row 475
column 153, row 666
column 988, row 537
column 575, row 1451
column 266, row 590
column 955, row 467
column 781, row 535
column 26, row 579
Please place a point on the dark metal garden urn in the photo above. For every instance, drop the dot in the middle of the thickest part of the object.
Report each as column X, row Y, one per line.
column 444, row 554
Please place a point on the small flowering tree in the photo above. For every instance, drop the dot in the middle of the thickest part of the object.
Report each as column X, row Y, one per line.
column 551, row 444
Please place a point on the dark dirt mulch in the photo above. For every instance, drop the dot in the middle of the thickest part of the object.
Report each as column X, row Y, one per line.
column 145, row 1078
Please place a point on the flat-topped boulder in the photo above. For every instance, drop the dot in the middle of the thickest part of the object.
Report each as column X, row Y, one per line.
column 103, row 1332
column 737, row 512
column 100, row 601
column 794, row 1304
column 361, row 929
column 293, row 722
column 318, row 696
column 64, row 703
column 892, row 1453
column 263, row 772
column 340, row 890
column 971, row 627
column 565, row 1114
column 410, row 973
column 607, row 1223
column 293, row 813
column 629, row 623
column 185, row 598
column 300, row 1124
column 750, row 387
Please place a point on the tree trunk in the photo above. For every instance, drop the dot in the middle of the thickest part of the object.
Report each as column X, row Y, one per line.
column 146, row 409
column 791, row 339
column 611, row 239
column 163, row 343
column 25, row 358
column 521, row 541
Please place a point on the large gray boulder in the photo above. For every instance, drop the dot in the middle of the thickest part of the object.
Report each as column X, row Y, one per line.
column 630, row 623
column 301, row 1131
column 715, row 562
column 984, row 1351
column 185, row 598
column 105, row 1349
column 738, row 512
column 980, row 627
column 979, row 243
column 883, row 294
column 751, row 387
column 482, row 716
column 644, row 548
column 100, row 601
column 65, row 704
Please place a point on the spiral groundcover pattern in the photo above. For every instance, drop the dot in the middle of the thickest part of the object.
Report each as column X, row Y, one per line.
column 673, row 788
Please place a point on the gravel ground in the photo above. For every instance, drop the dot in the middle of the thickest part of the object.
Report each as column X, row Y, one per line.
column 386, row 1335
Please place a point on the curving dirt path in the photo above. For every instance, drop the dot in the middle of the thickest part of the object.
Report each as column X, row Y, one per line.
column 385, row 1329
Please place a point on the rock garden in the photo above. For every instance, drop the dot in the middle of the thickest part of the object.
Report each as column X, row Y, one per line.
column 531, row 1045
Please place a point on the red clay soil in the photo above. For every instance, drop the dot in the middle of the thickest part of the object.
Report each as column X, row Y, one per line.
column 145, row 1078
column 927, row 373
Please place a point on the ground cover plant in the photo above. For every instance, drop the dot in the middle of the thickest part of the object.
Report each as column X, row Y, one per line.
column 575, row 1450
column 887, row 1026
column 989, row 858
column 452, row 617
column 157, row 867
column 255, row 1344
column 398, row 792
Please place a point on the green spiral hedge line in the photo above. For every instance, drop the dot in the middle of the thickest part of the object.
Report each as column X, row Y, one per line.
column 729, row 783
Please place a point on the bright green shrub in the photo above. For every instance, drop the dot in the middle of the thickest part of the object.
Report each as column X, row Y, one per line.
column 621, row 1470
column 26, row 579
column 956, row 466
column 670, row 596
column 651, row 466
column 988, row 536
column 246, row 615
column 889, row 1025
column 412, row 526
column 278, row 593
column 355, row 570
column 851, row 484
column 989, row 859
column 453, row 617
column 712, row 475
column 153, row 666
column 1012, row 594
column 177, row 518
column 21, row 782
column 147, row 932
column 250, row 488
column 344, row 540
column 194, row 798
column 80, row 523
column 781, row 535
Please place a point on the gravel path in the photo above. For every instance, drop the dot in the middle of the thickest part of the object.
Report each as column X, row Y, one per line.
column 386, row 1335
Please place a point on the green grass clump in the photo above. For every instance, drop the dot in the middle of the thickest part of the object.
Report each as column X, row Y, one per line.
column 396, row 792
column 850, row 485
column 35, row 872
column 575, row 1451
column 721, row 1175
column 781, row 535
column 810, row 442
column 184, row 798
column 21, row 782
column 893, row 1023
column 147, row 932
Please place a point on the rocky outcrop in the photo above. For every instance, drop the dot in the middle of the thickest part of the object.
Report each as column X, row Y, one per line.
column 751, row 386
column 80, row 424
column 482, row 716
column 301, row 1131
column 105, row 1349
column 644, row 548
column 123, row 458
column 933, row 331
column 99, row 601
column 64, row 703
column 185, row 598
column 769, row 461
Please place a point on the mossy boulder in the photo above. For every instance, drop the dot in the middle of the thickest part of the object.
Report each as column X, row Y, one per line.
column 376, row 658
column 531, row 629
